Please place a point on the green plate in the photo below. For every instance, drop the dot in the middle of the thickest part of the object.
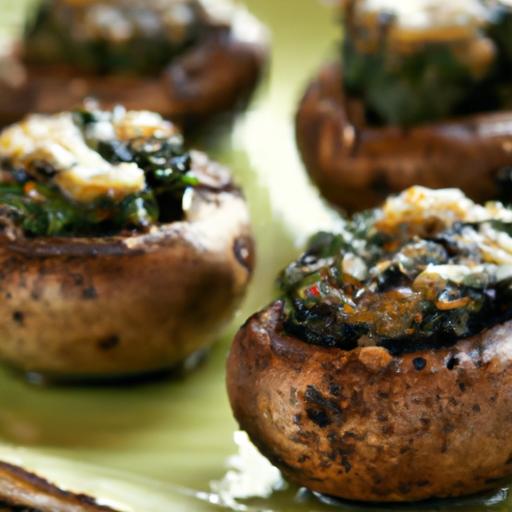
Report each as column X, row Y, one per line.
column 157, row 447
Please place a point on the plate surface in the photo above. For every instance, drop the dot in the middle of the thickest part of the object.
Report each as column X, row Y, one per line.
column 160, row 445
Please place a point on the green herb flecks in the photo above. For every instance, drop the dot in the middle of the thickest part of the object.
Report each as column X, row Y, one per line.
column 45, row 211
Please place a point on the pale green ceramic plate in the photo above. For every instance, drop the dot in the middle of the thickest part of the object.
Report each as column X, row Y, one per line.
column 158, row 446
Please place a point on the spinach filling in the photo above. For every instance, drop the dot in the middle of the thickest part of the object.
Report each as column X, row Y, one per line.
column 404, row 289
column 428, row 81
column 32, row 203
column 63, row 34
column 428, row 85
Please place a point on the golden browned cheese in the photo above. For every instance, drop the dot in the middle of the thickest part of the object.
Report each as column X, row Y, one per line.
column 82, row 174
column 416, row 22
column 122, row 20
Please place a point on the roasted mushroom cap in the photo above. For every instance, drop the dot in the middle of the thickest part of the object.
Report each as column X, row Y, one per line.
column 124, row 305
column 383, row 372
column 364, row 425
column 356, row 165
column 216, row 74
column 22, row 490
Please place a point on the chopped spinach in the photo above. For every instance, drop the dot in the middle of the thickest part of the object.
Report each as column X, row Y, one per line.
column 63, row 33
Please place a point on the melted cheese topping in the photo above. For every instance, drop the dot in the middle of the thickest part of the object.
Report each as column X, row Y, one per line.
column 141, row 123
column 119, row 20
column 418, row 204
column 82, row 173
column 425, row 14
column 420, row 21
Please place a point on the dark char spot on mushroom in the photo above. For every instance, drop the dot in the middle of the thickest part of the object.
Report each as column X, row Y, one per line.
column 18, row 317
column 90, row 293
column 109, row 343
column 419, row 363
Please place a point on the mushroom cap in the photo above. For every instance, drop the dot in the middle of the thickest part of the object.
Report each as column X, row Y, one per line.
column 356, row 166
column 21, row 488
column 128, row 304
column 366, row 425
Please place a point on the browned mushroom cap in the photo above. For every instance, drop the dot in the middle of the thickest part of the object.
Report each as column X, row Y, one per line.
column 365, row 425
column 356, row 165
column 216, row 75
column 19, row 488
column 123, row 305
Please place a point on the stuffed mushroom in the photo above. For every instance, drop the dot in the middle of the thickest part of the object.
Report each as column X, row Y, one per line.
column 187, row 59
column 384, row 371
column 121, row 253
column 423, row 89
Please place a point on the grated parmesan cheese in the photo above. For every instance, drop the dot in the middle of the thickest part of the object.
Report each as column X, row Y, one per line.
column 417, row 204
column 82, row 174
